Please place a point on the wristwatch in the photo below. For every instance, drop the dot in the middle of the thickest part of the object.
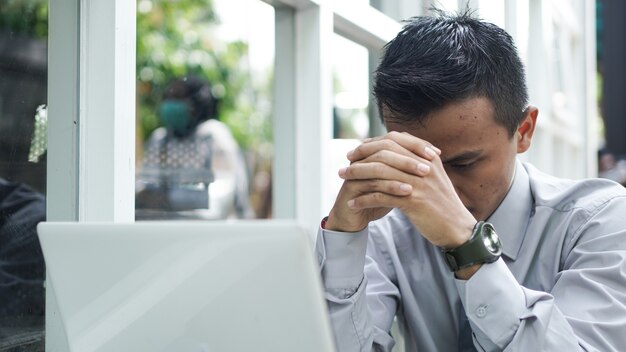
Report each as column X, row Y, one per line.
column 483, row 246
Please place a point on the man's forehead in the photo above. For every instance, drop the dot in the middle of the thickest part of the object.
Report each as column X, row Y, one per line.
column 455, row 132
column 449, row 146
column 441, row 128
column 467, row 107
column 469, row 110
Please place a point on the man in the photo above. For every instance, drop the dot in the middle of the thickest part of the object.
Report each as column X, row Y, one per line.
column 411, row 233
column 192, row 148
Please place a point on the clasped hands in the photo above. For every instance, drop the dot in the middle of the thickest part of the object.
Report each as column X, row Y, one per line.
column 399, row 170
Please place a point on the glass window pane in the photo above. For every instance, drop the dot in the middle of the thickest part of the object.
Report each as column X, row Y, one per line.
column 204, row 105
column 351, row 92
column 350, row 89
column 23, row 143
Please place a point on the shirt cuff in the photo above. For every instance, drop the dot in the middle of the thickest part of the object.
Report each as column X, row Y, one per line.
column 342, row 257
column 493, row 301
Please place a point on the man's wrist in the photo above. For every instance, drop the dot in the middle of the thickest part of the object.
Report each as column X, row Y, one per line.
column 323, row 223
column 329, row 223
column 460, row 235
column 467, row 273
column 483, row 246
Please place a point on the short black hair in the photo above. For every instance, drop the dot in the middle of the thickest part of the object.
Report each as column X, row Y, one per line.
column 447, row 58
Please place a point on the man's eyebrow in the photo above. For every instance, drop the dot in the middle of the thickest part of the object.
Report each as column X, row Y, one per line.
column 465, row 156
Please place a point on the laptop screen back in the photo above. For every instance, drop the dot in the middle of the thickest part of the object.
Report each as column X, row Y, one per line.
column 216, row 286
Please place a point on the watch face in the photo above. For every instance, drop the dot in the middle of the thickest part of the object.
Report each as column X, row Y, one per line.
column 491, row 240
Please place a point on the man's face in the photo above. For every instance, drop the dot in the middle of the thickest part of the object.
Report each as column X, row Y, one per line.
column 477, row 153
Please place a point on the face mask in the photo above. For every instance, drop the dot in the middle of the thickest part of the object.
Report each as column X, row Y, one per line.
column 175, row 116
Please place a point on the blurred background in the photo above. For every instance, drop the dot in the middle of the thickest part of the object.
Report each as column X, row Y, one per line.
column 231, row 45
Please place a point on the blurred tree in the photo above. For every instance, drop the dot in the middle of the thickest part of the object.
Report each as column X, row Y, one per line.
column 27, row 17
column 23, row 89
column 175, row 38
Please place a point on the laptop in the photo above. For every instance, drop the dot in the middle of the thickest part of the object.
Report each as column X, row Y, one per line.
column 187, row 286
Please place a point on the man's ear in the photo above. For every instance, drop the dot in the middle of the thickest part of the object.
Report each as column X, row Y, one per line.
column 526, row 128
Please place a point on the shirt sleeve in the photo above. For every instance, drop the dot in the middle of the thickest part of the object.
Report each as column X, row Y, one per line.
column 361, row 298
column 585, row 309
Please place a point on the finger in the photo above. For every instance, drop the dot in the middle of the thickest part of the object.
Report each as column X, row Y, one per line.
column 405, row 140
column 437, row 150
column 377, row 138
column 396, row 188
column 365, row 150
column 412, row 165
column 375, row 170
column 375, row 200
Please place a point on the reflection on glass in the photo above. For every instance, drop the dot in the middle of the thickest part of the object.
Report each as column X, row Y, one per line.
column 351, row 89
column 23, row 142
column 192, row 166
column 203, row 124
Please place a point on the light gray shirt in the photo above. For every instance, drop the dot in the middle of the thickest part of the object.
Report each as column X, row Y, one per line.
column 560, row 284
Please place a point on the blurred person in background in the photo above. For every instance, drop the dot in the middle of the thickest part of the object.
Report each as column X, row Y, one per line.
column 611, row 168
column 192, row 165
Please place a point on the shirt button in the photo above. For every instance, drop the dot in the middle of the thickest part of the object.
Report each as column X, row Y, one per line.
column 481, row 311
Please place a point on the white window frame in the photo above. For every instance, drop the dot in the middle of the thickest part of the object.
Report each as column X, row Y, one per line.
column 91, row 110
column 91, row 87
column 303, row 96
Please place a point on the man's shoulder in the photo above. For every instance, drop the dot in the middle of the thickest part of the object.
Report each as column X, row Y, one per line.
column 213, row 128
column 564, row 194
column 158, row 135
column 219, row 132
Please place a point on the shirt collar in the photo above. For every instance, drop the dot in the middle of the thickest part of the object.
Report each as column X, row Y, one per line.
column 513, row 215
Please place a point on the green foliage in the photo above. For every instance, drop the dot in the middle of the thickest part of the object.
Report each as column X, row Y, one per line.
column 175, row 38
column 27, row 17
